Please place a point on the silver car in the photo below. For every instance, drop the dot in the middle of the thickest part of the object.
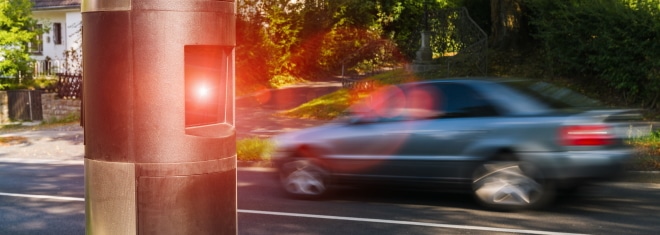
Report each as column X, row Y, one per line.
column 510, row 142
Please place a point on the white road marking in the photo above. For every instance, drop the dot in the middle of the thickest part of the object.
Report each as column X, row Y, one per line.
column 467, row 227
column 452, row 226
column 43, row 197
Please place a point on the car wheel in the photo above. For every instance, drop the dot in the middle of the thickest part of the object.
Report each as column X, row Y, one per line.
column 303, row 179
column 511, row 185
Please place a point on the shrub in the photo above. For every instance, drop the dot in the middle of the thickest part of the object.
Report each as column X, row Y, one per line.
column 647, row 152
column 254, row 149
column 282, row 80
column 615, row 41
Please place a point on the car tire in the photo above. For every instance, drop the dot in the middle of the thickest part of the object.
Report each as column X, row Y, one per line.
column 511, row 185
column 303, row 179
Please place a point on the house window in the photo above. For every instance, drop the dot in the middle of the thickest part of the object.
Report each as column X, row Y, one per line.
column 36, row 46
column 57, row 33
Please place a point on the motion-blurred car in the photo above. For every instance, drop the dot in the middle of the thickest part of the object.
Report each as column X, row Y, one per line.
column 511, row 142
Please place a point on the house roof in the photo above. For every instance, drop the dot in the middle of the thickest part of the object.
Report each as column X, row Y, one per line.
column 54, row 4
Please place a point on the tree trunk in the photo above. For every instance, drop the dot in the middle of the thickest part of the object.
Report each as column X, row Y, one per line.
column 509, row 24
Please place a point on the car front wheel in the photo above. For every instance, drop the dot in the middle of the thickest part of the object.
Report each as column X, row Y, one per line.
column 511, row 185
column 303, row 179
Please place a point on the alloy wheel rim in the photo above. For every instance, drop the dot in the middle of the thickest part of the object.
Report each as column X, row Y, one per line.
column 304, row 182
column 507, row 184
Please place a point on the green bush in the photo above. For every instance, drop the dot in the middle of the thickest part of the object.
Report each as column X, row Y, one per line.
column 283, row 80
column 647, row 152
column 254, row 149
column 36, row 83
column 615, row 41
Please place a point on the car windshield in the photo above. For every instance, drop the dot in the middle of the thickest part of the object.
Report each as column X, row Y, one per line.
column 553, row 96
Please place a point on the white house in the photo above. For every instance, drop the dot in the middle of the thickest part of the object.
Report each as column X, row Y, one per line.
column 64, row 19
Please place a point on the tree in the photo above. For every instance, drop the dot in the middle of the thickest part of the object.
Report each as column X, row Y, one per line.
column 17, row 30
column 509, row 24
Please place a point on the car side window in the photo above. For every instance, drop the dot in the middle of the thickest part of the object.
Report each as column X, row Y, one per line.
column 425, row 101
column 463, row 101
column 403, row 103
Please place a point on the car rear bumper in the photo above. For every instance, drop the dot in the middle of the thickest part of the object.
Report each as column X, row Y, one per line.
column 602, row 164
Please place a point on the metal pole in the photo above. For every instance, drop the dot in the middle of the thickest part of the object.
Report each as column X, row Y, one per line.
column 153, row 165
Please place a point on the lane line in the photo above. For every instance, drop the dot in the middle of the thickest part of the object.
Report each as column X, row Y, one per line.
column 357, row 219
column 43, row 197
column 467, row 227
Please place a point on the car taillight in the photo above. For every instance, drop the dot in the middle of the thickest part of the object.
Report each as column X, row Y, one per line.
column 586, row 135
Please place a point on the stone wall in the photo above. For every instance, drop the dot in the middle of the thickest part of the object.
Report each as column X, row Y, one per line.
column 54, row 108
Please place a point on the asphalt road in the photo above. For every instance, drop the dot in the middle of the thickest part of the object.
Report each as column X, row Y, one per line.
column 614, row 208
column 40, row 197
column 59, row 210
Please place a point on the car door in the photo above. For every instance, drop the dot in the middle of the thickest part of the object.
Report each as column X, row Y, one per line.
column 362, row 147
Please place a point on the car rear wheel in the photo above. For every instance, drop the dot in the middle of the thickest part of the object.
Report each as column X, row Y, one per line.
column 303, row 179
column 511, row 185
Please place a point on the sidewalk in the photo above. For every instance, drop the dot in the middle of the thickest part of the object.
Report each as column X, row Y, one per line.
column 62, row 143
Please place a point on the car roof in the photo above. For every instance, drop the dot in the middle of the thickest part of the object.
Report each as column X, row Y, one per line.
column 468, row 80
column 471, row 81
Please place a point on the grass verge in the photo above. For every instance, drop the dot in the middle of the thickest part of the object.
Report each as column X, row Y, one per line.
column 333, row 105
column 647, row 152
column 254, row 149
column 326, row 107
column 73, row 118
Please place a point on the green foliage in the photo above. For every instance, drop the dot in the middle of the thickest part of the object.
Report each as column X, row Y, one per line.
column 647, row 149
column 31, row 84
column 401, row 22
column 609, row 44
column 254, row 149
column 395, row 77
column 252, row 72
column 267, row 32
column 17, row 29
column 281, row 34
column 35, row 83
column 613, row 40
column 345, row 46
column 283, row 80
column 312, row 39
column 655, row 135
